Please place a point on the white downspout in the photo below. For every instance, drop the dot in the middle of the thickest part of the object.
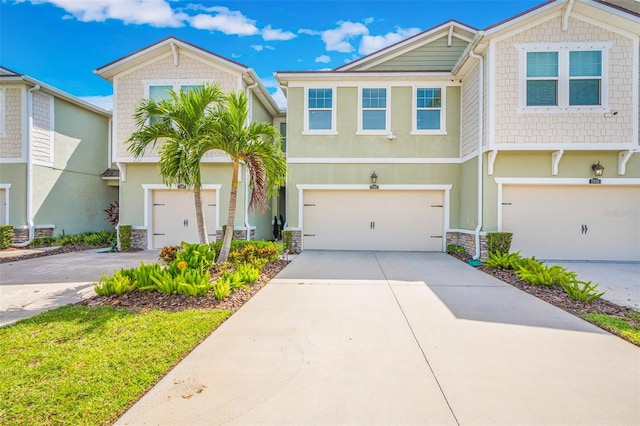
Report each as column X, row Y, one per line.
column 480, row 154
column 246, row 170
column 30, row 224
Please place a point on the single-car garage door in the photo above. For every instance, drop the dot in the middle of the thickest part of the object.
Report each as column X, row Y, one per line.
column 373, row 220
column 174, row 216
column 573, row 222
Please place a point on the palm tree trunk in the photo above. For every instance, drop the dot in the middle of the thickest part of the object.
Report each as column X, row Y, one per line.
column 231, row 218
column 202, row 226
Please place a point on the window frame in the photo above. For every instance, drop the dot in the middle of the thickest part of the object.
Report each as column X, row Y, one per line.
column 175, row 84
column 387, row 112
column 414, row 110
column 334, row 100
column 563, row 80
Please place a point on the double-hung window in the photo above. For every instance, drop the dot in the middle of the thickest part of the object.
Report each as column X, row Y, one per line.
column 428, row 111
column 571, row 78
column 374, row 117
column 160, row 90
column 320, row 106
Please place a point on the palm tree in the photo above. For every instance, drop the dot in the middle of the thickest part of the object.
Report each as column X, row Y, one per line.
column 181, row 124
column 258, row 146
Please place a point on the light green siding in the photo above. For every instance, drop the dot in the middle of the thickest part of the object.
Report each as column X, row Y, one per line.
column 399, row 174
column 259, row 113
column 16, row 176
column 468, row 192
column 348, row 144
column 72, row 195
column 435, row 56
column 139, row 174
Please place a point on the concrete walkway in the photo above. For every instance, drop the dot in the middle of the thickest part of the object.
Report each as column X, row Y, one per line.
column 397, row 338
column 31, row 286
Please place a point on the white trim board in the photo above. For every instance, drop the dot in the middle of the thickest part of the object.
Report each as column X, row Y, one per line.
column 366, row 160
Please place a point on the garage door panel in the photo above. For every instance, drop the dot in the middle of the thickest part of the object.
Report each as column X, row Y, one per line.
column 573, row 222
column 373, row 220
column 174, row 216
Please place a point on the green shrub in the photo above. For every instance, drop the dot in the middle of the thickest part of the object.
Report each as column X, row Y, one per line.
column 124, row 237
column 142, row 275
column 118, row 284
column 221, row 289
column 503, row 261
column 538, row 273
column 163, row 282
column 197, row 256
column 581, row 290
column 287, row 240
column 456, row 249
column 193, row 282
column 499, row 242
column 248, row 273
column 6, row 236
column 234, row 280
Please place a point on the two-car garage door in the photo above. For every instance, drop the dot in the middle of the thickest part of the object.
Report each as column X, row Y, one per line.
column 573, row 222
column 411, row 220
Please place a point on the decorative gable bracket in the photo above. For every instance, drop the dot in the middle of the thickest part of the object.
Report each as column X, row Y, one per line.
column 623, row 157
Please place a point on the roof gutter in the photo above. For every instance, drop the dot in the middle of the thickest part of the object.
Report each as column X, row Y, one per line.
column 480, row 59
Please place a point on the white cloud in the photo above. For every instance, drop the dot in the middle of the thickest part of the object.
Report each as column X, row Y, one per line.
column 269, row 34
column 157, row 13
column 324, row 59
column 261, row 47
column 338, row 39
column 308, row 31
column 226, row 21
column 104, row 102
column 370, row 44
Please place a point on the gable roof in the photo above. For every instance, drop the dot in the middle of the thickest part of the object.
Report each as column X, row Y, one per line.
column 384, row 59
column 9, row 76
column 173, row 45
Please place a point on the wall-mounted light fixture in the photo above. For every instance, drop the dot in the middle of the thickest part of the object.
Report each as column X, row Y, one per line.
column 182, row 186
column 374, row 181
column 598, row 169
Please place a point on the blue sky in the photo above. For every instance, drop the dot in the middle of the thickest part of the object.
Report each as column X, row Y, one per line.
column 61, row 42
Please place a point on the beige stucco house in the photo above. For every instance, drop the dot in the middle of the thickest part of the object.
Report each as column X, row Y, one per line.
column 160, row 215
column 53, row 152
column 457, row 132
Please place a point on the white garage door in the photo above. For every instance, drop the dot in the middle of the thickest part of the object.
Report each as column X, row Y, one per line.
column 373, row 220
column 573, row 222
column 174, row 217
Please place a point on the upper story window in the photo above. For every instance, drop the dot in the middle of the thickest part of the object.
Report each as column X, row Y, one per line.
column 320, row 110
column 374, row 111
column 567, row 78
column 428, row 110
column 159, row 91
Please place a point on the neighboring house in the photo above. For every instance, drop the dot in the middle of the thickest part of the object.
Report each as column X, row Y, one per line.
column 457, row 132
column 163, row 216
column 53, row 152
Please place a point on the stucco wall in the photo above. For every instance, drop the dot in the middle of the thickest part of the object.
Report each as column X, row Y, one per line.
column 11, row 142
column 72, row 195
column 349, row 144
column 578, row 127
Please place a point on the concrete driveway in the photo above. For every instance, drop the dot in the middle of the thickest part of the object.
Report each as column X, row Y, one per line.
column 619, row 280
column 28, row 287
column 397, row 338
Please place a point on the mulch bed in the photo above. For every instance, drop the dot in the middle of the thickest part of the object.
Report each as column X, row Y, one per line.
column 144, row 300
column 554, row 295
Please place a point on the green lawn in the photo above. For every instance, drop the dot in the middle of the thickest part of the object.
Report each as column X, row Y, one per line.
column 79, row 365
column 627, row 327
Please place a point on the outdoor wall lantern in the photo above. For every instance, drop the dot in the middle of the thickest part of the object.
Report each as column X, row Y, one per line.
column 598, row 169
column 374, row 181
